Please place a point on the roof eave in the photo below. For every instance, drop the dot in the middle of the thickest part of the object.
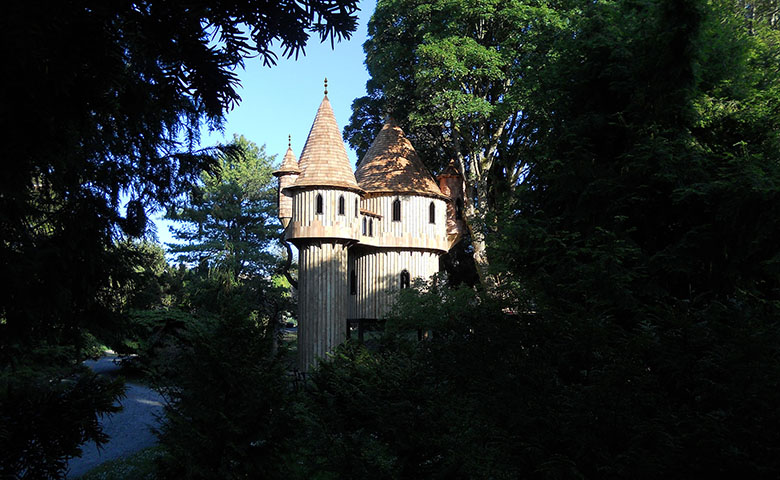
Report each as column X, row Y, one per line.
column 389, row 192
column 323, row 186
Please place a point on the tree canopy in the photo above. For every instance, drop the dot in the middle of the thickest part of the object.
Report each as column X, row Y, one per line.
column 458, row 76
column 636, row 334
column 658, row 154
column 107, row 100
column 624, row 183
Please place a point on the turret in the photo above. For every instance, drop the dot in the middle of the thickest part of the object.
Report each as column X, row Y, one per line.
column 325, row 195
column 452, row 185
column 286, row 175
column 401, row 191
column 323, row 224
column 404, row 205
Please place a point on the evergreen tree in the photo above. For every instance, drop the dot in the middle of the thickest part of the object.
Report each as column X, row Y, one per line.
column 228, row 220
column 229, row 405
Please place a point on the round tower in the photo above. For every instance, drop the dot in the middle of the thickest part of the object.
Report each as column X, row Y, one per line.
column 408, row 213
column 452, row 185
column 324, row 222
column 286, row 175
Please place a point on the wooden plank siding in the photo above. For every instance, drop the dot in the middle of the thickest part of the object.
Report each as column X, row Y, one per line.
column 378, row 274
column 331, row 246
column 414, row 230
column 284, row 198
column 322, row 299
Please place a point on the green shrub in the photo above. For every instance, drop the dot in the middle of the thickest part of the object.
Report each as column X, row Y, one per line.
column 47, row 413
column 228, row 410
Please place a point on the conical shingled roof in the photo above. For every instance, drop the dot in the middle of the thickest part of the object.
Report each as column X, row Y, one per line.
column 324, row 161
column 392, row 166
column 289, row 164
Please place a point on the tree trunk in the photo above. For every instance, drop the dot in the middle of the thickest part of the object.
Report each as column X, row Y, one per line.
column 476, row 204
column 476, row 218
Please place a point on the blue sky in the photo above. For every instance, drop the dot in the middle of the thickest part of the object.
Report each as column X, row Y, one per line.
column 282, row 100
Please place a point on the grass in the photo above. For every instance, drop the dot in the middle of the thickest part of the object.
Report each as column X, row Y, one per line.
column 138, row 466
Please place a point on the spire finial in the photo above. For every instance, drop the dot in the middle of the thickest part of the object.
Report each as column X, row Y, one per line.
column 326, row 85
column 289, row 141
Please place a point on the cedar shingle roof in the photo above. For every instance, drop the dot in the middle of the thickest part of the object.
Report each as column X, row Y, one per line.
column 392, row 166
column 289, row 164
column 324, row 161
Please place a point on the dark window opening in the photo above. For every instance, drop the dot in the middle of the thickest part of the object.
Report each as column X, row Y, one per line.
column 432, row 213
column 364, row 225
column 319, row 204
column 371, row 227
column 459, row 209
column 353, row 283
column 356, row 208
column 405, row 279
column 341, row 205
column 397, row 210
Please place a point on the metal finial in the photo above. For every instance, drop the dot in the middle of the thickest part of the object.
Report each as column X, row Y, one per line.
column 326, row 85
column 289, row 141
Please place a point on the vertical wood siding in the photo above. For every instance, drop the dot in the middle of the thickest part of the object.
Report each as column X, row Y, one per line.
column 322, row 300
column 414, row 230
column 308, row 223
column 306, row 201
column 285, row 198
column 325, row 262
column 379, row 277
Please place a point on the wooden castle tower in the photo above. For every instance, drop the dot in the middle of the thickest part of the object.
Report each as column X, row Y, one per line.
column 360, row 236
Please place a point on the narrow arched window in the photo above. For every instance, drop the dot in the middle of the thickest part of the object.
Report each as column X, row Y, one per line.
column 341, row 205
column 405, row 279
column 459, row 209
column 432, row 213
column 353, row 283
column 370, row 227
column 365, row 222
column 319, row 204
column 397, row 210
column 356, row 208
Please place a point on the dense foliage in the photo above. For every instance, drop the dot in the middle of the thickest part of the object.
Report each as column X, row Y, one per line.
column 228, row 399
column 213, row 349
column 47, row 414
column 101, row 117
column 635, row 332
column 660, row 166
column 548, row 395
column 622, row 160
column 459, row 76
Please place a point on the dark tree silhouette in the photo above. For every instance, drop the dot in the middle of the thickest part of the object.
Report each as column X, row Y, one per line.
column 102, row 101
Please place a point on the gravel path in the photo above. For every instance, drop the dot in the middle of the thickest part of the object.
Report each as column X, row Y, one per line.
column 129, row 430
